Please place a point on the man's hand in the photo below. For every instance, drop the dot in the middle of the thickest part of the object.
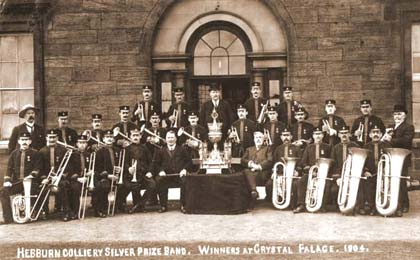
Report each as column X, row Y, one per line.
column 82, row 180
column 338, row 181
column 149, row 175
column 172, row 118
column 44, row 181
column 7, row 184
column 298, row 143
column 324, row 128
column 357, row 133
column 192, row 143
column 368, row 174
column 295, row 173
column 117, row 169
column 183, row 173
column 125, row 143
column 112, row 177
column 162, row 173
column 138, row 110
column 131, row 170
column 333, row 132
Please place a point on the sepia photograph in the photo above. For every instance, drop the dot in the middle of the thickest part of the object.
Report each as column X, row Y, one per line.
column 210, row 129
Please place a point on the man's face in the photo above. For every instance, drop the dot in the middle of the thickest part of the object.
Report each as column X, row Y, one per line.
column 81, row 145
column 242, row 113
column 399, row 117
column 258, row 138
column 318, row 137
column 63, row 121
column 344, row 137
column 330, row 109
column 51, row 140
column 300, row 117
column 272, row 115
column 179, row 97
column 193, row 120
column 170, row 138
column 256, row 92
column 155, row 120
column 24, row 142
column 96, row 124
column 375, row 135
column 147, row 94
column 135, row 137
column 124, row 114
column 365, row 109
column 108, row 139
column 215, row 94
column 286, row 138
column 288, row 95
column 30, row 116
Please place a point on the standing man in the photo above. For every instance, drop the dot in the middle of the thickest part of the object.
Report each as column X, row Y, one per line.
column 144, row 109
column 302, row 130
column 66, row 134
column 331, row 123
column 402, row 137
column 244, row 128
column 96, row 132
column 24, row 163
column 366, row 121
column 254, row 104
column 286, row 109
column 182, row 108
column 124, row 127
column 37, row 132
column 219, row 107
column 274, row 127
column 156, row 140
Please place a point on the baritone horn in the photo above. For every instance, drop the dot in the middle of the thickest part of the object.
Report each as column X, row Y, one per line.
column 351, row 174
column 282, row 182
column 21, row 204
column 388, row 180
column 316, row 184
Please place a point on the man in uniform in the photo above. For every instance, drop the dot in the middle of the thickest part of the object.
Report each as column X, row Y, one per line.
column 331, row 123
column 254, row 104
column 155, row 141
column 339, row 155
column 144, row 109
column 376, row 148
column 182, row 108
column 286, row 109
column 169, row 162
column 244, row 129
column 365, row 122
column 257, row 162
column 218, row 107
column 309, row 158
column 402, row 137
column 96, row 132
column 284, row 151
column 123, row 127
column 65, row 134
column 274, row 127
column 37, row 132
column 302, row 130
column 24, row 163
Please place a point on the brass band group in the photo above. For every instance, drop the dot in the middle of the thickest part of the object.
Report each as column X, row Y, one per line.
column 361, row 167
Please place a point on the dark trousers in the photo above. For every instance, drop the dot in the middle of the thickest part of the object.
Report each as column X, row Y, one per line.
column 403, row 200
column 163, row 183
column 368, row 187
column 134, row 187
column 258, row 178
column 101, row 191
column 6, row 192
column 301, row 190
column 70, row 191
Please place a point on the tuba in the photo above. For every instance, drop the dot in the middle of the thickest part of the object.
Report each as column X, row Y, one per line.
column 316, row 185
column 21, row 204
column 388, row 180
column 351, row 174
column 282, row 182
column 112, row 195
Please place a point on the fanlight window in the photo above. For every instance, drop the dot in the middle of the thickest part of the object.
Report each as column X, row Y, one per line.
column 219, row 52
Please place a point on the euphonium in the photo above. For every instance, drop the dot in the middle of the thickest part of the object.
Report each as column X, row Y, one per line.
column 316, row 185
column 388, row 180
column 351, row 174
column 21, row 204
column 282, row 182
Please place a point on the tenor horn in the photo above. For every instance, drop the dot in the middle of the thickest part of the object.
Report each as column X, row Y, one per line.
column 388, row 180
column 236, row 138
column 282, row 182
column 21, row 204
column 316, row 184
column 351, row 174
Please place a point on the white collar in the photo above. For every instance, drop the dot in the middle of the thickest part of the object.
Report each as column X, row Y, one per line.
column 171, row 147
column 30, row 124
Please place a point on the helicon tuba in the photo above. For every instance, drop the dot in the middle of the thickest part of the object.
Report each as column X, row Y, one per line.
column 21, row 204
column 316, row 184
column 351, row 174
column 388, row 180
column 282, row 182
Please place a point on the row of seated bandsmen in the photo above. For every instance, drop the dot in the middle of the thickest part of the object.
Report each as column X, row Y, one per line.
column 261, row 136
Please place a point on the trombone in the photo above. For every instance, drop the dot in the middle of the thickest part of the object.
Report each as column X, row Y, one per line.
column 116, row 131
column 67, row 146
column 268, row 140
column 175, row 114
column 112, row 195
column 261, row 117
column 87, row 185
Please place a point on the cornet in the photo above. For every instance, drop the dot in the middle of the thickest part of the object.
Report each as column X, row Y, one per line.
column 235, row 138
column 316, row 185
column 142, row 117
column 134, row 165
column 267, row 136
column 360, row 129
column 175, row 114
column 261, row 116
column 282, row 182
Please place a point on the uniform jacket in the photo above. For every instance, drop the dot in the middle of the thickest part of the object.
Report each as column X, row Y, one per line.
column 152, row 107
column 371, row 165
column 70, row 135
column 250, row 107
column 33, row 163
column 275, row 136
column 337, row 124
column 372, row 121
column 37, row 136
column 337, row 155
column 309, row 155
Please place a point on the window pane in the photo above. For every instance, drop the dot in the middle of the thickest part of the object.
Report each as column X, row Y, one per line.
column 8, row 75
column 25, row 48
column 212, row 39
column 7, row 123
column 416, row 64
column 202, row 49
column 219, row 66
column 9, row 102
column 226, row 38
column 237, row 48
column 203, row 93
column 415, row 38
column 237, row 65
column 202, row 66
column 26, row 75
column 8, row 49
column 219, row 52
column 26, row 97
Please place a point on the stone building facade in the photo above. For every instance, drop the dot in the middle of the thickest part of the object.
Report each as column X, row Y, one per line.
column 94, row 55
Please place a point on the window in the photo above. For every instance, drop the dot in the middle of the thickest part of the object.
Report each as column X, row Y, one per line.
column 16, row 79
column 219, row 52
column 415, row 47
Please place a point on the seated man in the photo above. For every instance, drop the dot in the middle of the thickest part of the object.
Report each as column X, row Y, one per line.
column 170, row 163
column 257, row 162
